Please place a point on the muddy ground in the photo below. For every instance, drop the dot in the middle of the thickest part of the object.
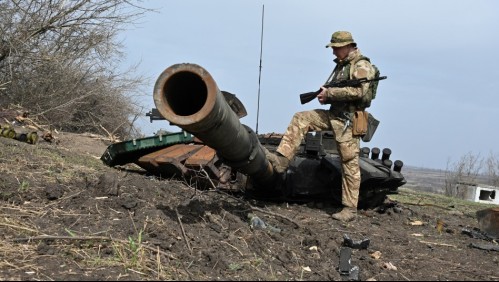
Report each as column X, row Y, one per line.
column 64, row 215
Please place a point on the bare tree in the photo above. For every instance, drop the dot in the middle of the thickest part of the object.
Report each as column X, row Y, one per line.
column 464, row 171
column 61, row 60
column 493, row 169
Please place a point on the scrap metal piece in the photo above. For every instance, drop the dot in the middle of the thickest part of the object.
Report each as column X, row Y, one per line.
column 346, row 269
column 345, row 257
column 488, row 220
column 486, row 247
column 204, row 158
column 354, row 273
column 477, row 234
column 168, row 161
column 358, row 244
column 258, row 223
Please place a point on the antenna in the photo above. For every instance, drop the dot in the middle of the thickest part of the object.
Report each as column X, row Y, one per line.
column 260, row 72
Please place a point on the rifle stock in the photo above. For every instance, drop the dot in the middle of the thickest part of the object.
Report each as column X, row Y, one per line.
column 309, row 96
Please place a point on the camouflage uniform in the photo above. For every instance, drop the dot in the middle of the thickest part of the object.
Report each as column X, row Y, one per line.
column 344, row 101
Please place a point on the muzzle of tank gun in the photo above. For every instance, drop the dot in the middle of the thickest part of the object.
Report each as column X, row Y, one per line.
column 188, row 96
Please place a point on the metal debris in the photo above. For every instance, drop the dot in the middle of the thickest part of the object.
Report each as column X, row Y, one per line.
column 488, row 220
column 346, row 269
column 358, row 244
column 258, row 223
column 486, row 247
column 477, row 234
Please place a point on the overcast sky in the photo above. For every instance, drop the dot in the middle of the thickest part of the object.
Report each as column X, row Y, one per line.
column 440, row 100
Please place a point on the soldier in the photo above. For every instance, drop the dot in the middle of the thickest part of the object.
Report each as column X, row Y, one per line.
column 350, row 64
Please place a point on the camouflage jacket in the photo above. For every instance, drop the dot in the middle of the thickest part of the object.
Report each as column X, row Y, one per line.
column 349, row 99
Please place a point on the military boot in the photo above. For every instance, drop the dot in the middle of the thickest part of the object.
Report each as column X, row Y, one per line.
column 282, row 163
column 278, row 161
column 346, row 214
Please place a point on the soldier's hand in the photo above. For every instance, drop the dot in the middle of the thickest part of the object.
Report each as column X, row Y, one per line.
column 322, row 97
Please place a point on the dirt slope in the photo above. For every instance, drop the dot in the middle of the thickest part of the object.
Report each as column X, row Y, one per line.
column 66, row 216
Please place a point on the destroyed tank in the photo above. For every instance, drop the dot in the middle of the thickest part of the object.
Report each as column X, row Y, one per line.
column 214, row 150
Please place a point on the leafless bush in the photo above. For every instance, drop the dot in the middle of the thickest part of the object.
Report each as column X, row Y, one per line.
column 466, row 170
column 61, row 59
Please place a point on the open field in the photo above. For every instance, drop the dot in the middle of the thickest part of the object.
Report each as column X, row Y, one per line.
column 424, row 179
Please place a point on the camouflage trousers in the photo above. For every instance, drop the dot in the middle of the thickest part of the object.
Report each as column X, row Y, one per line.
column 348, row 147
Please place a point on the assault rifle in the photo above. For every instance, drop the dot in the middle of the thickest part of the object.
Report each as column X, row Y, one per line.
column 309, row 96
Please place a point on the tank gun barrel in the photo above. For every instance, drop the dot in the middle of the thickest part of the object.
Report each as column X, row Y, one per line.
column 188, row 96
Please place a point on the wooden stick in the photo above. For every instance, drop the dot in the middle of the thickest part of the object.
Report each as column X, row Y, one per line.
column 234, row 248
column 183, row 231
column 438, row 244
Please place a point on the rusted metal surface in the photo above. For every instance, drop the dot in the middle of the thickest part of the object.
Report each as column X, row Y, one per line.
column 180, row 154
column 168, row 161
column 202, row 157
column 192, row 161
column 488, row 220
column 150, row 158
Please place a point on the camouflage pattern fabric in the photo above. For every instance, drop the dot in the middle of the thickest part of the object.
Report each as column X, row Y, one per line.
column 341, row 38
column 342, row 100
column 347, row 99
column 348, row 147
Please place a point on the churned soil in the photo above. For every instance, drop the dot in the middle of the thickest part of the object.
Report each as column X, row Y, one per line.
column 64, row 215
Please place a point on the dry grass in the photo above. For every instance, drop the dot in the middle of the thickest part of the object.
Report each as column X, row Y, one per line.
column 22, row 240
column 32, row 166
column 44, row 163
column 448, row 204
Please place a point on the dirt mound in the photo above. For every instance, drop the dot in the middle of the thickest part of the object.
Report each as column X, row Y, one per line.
column 66, row 216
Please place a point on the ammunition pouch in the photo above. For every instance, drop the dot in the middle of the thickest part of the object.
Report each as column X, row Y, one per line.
column 364, row 125
column 372, row 125
column 359, row 123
